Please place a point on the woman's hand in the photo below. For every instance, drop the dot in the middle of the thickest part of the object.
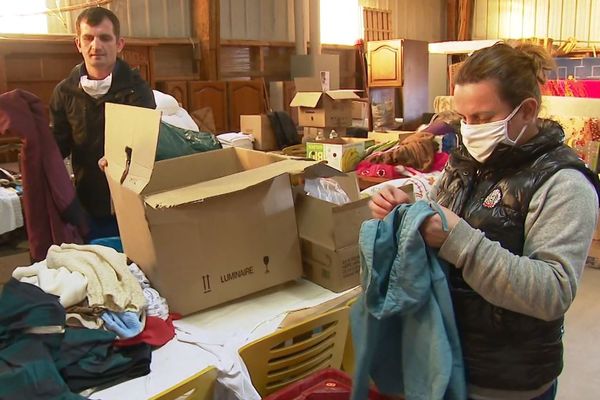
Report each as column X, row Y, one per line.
column 432, row 231
column 383, row 202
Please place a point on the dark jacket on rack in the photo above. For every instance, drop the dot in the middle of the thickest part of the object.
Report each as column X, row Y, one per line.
column 52, row 211
column 505, row 349
column 78, row 126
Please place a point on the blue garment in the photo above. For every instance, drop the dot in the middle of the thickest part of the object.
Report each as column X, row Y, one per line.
column 403, row 325
column 126, row 325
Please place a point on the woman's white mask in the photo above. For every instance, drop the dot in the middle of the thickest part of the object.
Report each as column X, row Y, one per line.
column 481, row 139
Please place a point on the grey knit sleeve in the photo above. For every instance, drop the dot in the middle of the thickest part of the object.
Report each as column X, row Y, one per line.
column 558, row 232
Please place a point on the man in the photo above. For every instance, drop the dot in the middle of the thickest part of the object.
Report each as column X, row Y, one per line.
column 77, row 109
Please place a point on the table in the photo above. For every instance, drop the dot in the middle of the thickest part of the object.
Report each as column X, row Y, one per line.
column 233, row 324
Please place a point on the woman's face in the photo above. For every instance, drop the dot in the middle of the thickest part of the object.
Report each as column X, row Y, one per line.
column 480, row 103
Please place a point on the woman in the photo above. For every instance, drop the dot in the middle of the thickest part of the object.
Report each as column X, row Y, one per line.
column 521, row 208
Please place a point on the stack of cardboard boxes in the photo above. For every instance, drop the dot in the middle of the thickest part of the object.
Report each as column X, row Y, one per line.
column 321, row 111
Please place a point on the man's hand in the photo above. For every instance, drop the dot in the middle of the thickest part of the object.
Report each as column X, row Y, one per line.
column 102, row 164
column 432, row 230
column 383, row 202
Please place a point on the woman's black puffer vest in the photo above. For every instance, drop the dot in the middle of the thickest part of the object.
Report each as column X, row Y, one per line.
column 503, row 349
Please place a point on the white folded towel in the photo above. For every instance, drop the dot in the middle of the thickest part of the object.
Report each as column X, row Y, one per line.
column 11, row 214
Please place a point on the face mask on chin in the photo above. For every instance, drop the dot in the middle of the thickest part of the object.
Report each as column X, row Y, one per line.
column 96, row 88
column 482, row 139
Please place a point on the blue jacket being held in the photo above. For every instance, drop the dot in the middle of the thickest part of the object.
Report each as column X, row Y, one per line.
column 403, row 326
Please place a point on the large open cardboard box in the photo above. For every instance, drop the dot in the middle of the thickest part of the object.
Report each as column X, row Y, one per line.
column 205, row 228
column 322, row 109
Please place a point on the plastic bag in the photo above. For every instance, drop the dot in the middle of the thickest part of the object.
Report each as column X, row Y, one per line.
column 176, row 142
column 327, row 190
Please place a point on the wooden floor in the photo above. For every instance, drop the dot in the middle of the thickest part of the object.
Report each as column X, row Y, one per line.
column 580, row 379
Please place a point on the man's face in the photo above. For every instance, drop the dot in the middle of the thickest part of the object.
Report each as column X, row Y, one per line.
column 99, row 46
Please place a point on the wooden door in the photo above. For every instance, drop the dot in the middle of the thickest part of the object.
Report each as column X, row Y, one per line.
column 384, row 63
column 211, row 94
column 244, row 98
column 177, row 89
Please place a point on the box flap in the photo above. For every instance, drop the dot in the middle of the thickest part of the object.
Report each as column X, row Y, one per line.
column 308, row 84
column 306, row 99
column 227, row 184
column 131, row 136
column 342, row 95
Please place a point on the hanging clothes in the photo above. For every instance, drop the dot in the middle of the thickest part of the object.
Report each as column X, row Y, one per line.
column 53, row 215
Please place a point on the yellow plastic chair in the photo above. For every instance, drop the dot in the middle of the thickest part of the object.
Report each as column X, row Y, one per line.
column 198, row 387
column 348, row 358
column 293, row 353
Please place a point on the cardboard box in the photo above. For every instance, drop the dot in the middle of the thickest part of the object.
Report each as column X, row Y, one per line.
column 360, row 114
column 317, row 108
column 383, row 137
column 336, row 270
column 343, row 157
column 329, row 233
column 259, row 126
column 205, row 228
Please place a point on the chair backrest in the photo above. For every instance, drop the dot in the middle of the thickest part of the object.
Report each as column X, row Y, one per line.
column 294, row 353
column 348, row 358
column 198, row 387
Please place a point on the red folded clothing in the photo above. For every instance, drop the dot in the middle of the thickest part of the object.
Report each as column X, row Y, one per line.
column 157, row 332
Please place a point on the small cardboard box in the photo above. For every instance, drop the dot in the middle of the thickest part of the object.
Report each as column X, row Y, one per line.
column 320, row 109
column 205, row 228
column 259, row 126
column 383, row 137
column 329, row 233
column 343, row 157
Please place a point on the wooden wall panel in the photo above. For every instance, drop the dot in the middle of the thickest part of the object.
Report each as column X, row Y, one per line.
column 174, row 62
column 557, row 19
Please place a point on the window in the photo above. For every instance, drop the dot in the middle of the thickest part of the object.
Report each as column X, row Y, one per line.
column 341, row 21
column 23, row 17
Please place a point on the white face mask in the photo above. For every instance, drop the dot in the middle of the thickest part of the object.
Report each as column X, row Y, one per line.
column 481, row 139
column 96, row 88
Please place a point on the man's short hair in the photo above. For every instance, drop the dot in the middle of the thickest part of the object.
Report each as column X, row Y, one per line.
column 94, row 16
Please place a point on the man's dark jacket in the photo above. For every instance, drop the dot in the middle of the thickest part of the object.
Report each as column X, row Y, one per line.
column 78, row 126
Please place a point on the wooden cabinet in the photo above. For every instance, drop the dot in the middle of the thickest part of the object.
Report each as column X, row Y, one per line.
column 245, row 97
column 177, row 89
column 384, row 63
column 403, row 65
column 211, row 94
